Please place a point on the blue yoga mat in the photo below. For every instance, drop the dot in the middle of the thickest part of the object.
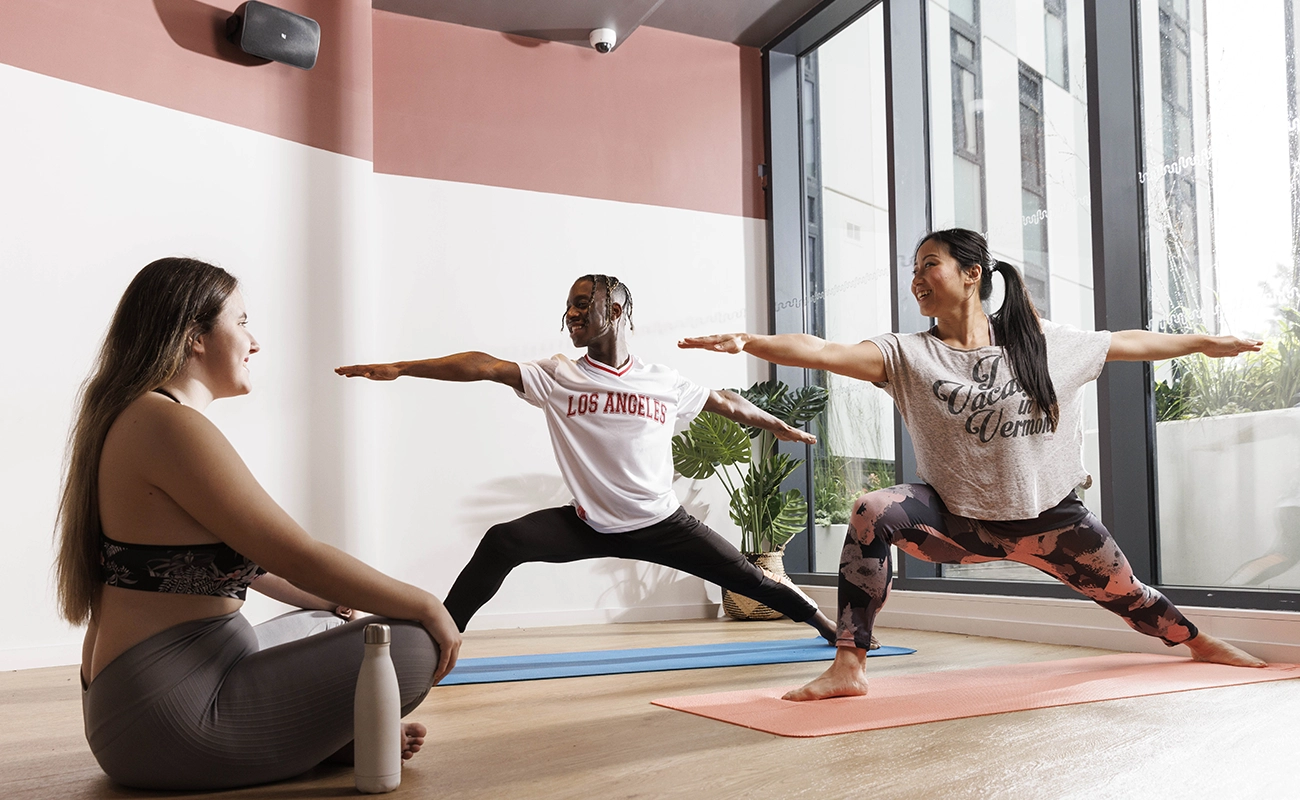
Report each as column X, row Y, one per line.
column 651, row 659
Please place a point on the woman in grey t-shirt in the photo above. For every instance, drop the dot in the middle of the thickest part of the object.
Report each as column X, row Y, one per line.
column 994, row 407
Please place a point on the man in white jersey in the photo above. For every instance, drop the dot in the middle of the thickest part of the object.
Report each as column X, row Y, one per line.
column 610, row 417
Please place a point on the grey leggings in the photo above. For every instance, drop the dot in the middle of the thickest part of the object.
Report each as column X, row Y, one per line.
column 203, row 705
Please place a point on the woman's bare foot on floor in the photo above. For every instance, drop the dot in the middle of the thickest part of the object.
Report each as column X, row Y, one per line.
column 846, row 677
column 412, row 738
column 1205, row 647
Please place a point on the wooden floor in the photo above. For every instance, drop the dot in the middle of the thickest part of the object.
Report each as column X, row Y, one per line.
column 600, row 737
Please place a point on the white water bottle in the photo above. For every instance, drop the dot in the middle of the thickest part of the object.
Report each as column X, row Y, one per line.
column 377, row 717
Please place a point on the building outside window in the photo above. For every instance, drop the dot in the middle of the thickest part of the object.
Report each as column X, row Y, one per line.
column 1033, row 188
column 1218, row 100
column 967, row 139
column 847, row 281
column 1030, row 146
column 1056, row 56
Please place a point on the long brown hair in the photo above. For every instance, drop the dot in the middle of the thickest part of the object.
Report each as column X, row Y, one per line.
column 1015, row 324
column 168, row 304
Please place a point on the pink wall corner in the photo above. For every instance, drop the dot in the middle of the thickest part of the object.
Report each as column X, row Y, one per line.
column 666, row 119
column 171, row 53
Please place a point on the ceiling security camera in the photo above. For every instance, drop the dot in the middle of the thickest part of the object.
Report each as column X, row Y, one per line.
column 603, row 39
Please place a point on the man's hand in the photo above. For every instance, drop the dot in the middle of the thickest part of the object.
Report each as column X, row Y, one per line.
column 375, row 372
column 788, row 434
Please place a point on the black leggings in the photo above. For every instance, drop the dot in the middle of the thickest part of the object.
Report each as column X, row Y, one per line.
column 914, row 517
column 557, row 535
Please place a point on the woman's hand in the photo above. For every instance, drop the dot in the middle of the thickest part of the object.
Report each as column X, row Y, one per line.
column 375, row 372
column 719, row 343
column 345, row 613
column 442, row 628
column 1229, row 346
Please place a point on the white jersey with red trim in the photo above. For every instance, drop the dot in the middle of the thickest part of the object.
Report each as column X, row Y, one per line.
column 612, row 432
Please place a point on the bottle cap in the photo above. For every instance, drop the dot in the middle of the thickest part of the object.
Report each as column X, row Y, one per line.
column 377, row 633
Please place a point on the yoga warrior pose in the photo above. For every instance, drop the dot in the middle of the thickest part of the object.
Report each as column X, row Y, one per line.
column 162, row 530
column 610, row 417
column 994, row 407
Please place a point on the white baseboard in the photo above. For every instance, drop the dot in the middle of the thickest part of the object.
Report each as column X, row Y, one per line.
column 1271, row 635
column 595, row 616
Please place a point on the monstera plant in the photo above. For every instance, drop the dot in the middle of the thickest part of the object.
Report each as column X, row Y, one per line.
column 747, row 462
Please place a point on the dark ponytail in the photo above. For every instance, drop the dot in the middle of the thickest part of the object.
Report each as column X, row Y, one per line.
column 1015, row 324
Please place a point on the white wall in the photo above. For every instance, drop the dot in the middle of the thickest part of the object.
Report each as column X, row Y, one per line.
column 337, row 265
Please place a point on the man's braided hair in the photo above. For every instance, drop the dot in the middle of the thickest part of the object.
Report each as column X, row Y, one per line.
column 611, row 285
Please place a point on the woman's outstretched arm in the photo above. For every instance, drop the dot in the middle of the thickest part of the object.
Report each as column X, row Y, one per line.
column 1140, row 345
column 184, row 455
column 472, row 366
column 863, row 360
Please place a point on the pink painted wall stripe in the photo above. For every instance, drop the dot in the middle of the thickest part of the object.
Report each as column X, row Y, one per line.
column 172, row 53
column 666, row 119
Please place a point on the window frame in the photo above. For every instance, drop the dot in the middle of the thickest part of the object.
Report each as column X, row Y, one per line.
column 1126, row 408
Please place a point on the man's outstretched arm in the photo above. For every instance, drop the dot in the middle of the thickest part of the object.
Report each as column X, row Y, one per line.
column 733, row 406
column 472, row 366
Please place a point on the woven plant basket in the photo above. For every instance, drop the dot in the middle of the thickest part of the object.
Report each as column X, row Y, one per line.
column 738, row 606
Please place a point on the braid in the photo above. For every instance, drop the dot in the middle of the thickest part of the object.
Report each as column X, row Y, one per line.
column 611, row 285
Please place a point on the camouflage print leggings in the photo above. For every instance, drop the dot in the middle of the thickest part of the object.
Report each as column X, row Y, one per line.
column 913, row 517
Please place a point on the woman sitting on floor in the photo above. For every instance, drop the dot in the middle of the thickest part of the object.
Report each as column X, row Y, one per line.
column 162, row 530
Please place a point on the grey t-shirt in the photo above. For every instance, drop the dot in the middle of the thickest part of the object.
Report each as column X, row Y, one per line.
column 978, row 440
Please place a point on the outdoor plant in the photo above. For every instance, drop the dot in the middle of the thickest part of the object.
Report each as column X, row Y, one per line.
column 748, row 463
column 1205, row 387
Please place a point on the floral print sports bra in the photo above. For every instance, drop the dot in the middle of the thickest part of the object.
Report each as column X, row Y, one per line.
column 216, row 569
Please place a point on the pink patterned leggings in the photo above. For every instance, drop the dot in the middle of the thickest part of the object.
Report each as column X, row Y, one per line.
column 913, row 517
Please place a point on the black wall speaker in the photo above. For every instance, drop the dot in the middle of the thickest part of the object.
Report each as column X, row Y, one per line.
column 273, row 33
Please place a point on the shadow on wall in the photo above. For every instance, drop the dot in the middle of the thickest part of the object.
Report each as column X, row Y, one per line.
column 633, row 584
column 649, row 585
column 511, row 497
column 201, row 28
column 537, row 38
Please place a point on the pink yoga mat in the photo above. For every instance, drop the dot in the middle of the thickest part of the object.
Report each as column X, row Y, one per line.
column 929, row 697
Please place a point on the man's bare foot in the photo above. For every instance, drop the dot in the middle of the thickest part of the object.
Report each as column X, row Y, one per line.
column 1205, row 647
column 824, row 627
column 845, row 677
column 412, row 738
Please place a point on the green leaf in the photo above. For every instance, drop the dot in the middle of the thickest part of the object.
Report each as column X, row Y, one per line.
column 688, row 458
column 805, row 403
column 710, row 442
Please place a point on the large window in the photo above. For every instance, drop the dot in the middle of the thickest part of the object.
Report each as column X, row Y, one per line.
column 1220, row 178
column 1141, row 164
column 846, row 213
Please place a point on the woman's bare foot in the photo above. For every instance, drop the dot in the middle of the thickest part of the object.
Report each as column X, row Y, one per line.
column 1205, row 647
column 412, row 738
column 846, row 677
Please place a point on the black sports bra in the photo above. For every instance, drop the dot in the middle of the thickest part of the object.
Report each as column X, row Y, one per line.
column 214, row 569
column 217, row 570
